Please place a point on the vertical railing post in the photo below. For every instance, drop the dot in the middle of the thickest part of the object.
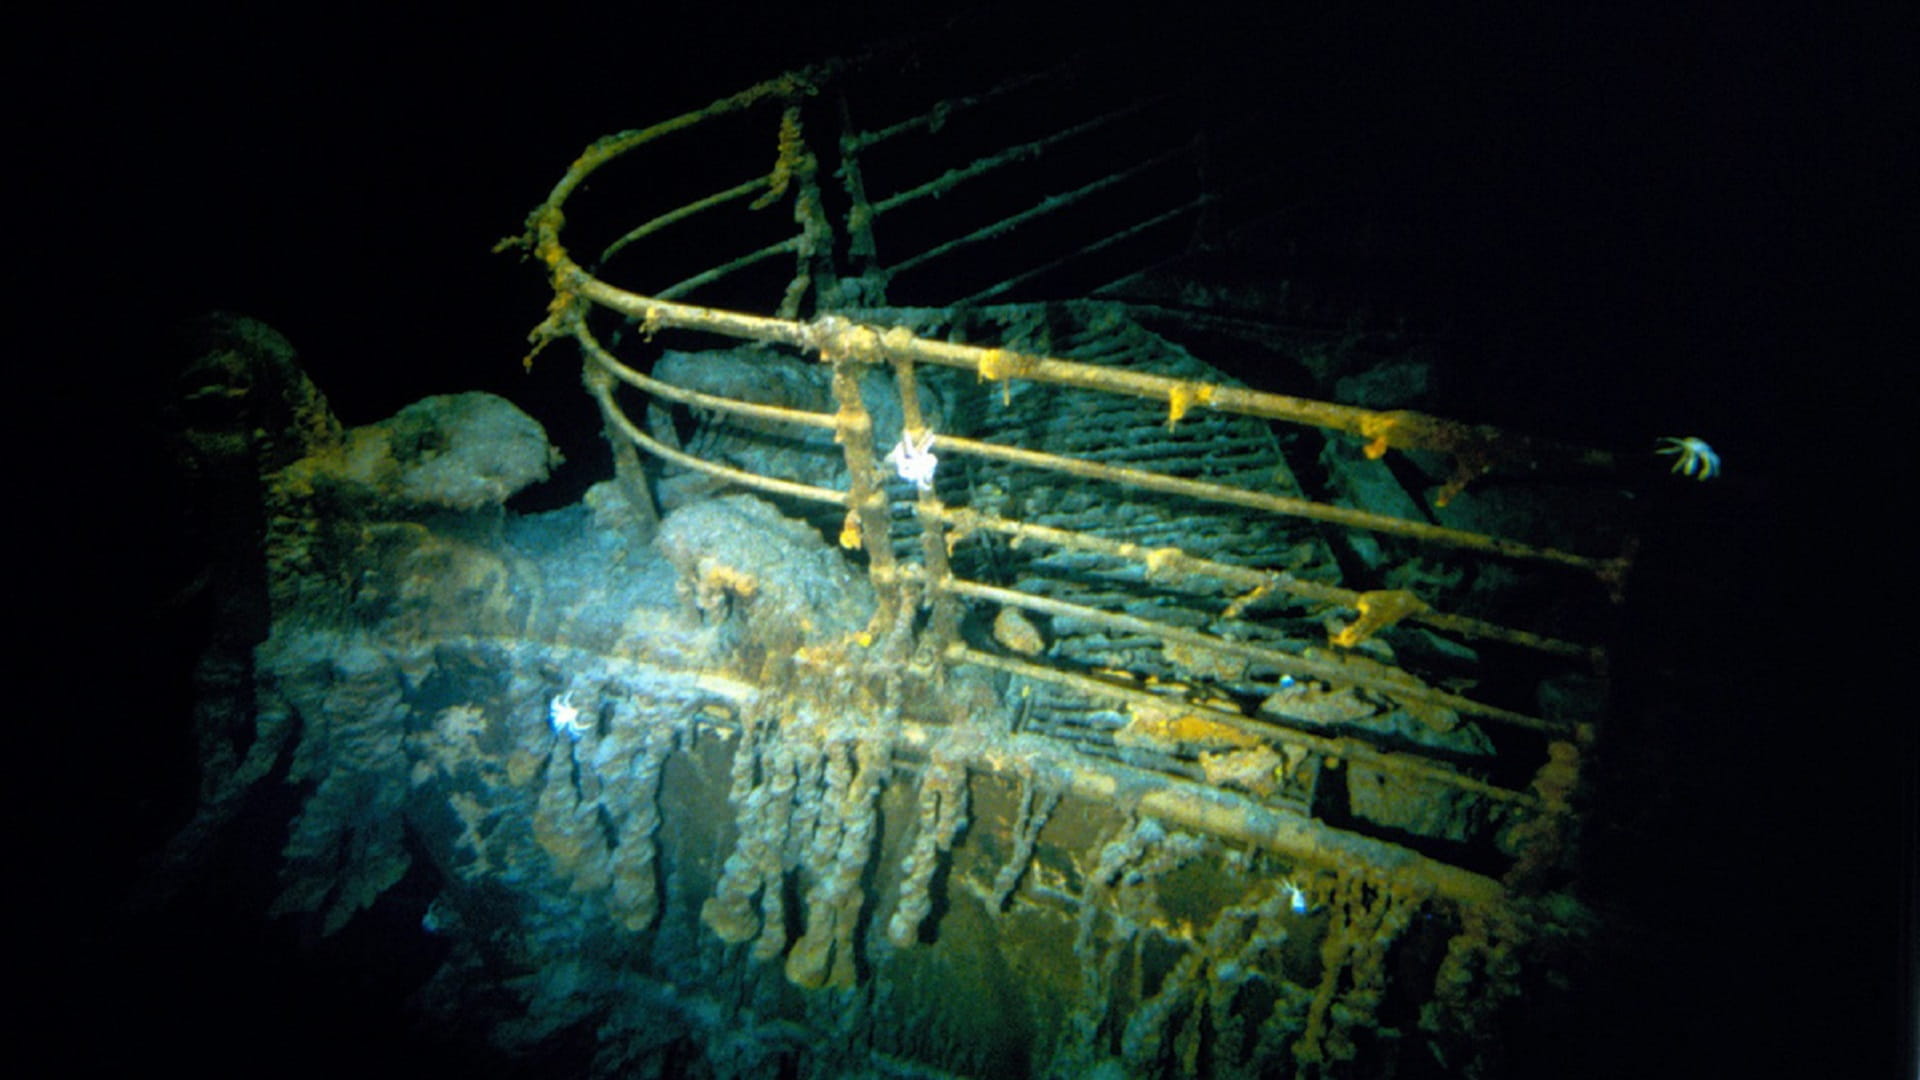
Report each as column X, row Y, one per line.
column 629, row 472
column 944, row 622
column 798, row 168
column 868, row 522
column 862, row 253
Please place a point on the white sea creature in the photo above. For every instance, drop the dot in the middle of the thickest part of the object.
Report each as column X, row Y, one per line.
column 914, row 460
column 565, row 717
column 1296, row 897
column 1695, row 458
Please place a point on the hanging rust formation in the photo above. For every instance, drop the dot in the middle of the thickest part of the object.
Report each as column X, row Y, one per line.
column 950, row 626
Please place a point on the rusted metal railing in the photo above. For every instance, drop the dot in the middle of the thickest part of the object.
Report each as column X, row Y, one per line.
column 838, row 271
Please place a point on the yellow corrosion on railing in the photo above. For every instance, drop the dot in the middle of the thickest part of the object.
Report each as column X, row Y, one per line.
column 1233, row 748
column 1378, row 610
column 1183, row 396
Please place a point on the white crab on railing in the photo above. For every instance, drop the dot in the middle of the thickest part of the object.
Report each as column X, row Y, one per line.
column 565, row 719
column 914, row 459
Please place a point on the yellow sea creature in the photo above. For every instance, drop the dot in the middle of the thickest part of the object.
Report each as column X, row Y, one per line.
column 1694, row 457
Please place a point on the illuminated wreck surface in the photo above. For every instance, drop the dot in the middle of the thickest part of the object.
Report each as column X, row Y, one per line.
column 944, row 683
column 683, row 790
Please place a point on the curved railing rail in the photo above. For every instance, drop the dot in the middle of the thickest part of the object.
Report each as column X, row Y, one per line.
column 838, row 273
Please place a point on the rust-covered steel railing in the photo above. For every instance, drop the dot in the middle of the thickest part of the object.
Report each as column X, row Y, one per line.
column 781, row 111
